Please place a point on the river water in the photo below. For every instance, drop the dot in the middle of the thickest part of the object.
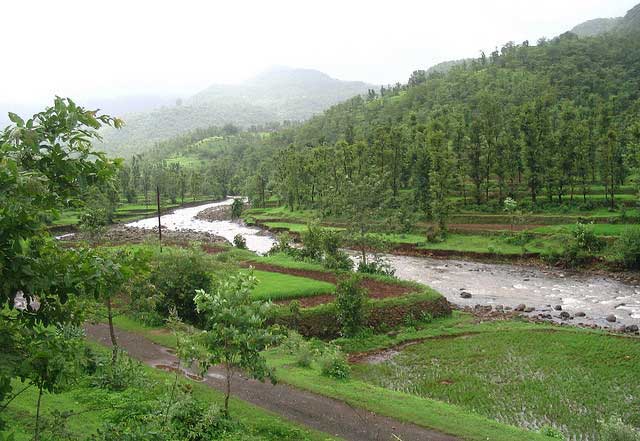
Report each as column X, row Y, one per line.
column 488, row 283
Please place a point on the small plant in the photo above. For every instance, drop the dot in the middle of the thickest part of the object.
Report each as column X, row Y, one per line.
column 627, row 248
column 585, row 238
column 236, row 208
column 118, row 376
column 350, row 304
column 551, row 432
column 377, row 265
column 334, row 364
column 239, row 242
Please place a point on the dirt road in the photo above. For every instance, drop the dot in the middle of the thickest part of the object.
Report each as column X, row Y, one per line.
column 315, row 411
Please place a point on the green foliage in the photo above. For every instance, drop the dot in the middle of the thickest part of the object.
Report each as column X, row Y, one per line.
column 627, row 248
column 334, row 364
column 236, row 331
column 551, row 432
column 236, row 208
column 45, row 164
column 239, row 242
column 616, row 430
column 118, row 376
column 351, row 299
column 177, row 274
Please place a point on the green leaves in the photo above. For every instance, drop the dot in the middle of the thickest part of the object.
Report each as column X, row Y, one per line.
column 16, row 119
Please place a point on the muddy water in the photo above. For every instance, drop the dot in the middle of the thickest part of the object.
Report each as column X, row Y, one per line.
column 184, row 219
column 489, row 284
column 511, row 285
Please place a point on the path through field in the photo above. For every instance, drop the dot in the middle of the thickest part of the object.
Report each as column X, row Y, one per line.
column 308, row 409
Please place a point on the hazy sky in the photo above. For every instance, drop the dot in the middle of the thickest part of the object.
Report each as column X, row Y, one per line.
column 113, row 48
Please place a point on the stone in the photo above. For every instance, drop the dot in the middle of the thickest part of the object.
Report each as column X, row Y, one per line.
column 465, row 295
column 632, row 329
column 521, row 307
column 580, row 314
column 611, row 318
column 564, row 315
column 558, row 307
column 529, row 309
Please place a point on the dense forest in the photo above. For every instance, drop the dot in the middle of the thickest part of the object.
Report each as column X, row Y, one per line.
column 538, row 123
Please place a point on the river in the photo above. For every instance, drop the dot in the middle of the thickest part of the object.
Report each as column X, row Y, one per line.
column 488, row 283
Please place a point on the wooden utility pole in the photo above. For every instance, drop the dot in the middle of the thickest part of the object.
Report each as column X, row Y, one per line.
column 159, row 224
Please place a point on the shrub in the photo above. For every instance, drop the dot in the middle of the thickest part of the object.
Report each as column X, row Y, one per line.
column 177, row 275
column 627, row 248
column 585, row 239
column 350, row 304
column 334, row 364
column 377, row 265
column 312, row 243
column 236, row 208
column 239, row 242
column 616, row 430
column 118, row 376
column 551, row 432
column 282, row 245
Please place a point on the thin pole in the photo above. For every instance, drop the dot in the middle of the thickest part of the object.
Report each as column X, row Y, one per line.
column 159, row 224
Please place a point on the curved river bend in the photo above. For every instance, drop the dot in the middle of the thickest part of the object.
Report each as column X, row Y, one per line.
column 489, row 284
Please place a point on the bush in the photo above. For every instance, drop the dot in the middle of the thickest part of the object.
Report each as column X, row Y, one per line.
column 377, row 265
column 312, row 243
column 627, row 248
column 177, row 275
column 616, row 430
column 282, row 245
column 239, row 242
column 125, row 373
column 551, row 432
column 350, row 305
column 334, row 364
column 585, row 239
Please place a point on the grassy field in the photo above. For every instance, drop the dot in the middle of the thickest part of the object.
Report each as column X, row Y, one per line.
column 598, row 229
column 286, row 261
column 276, row 286
column 493, row 244
column 92, row 406
column 407, row 407
column 519, row 374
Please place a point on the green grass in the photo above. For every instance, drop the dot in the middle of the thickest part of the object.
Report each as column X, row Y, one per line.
column 406, row 407
column 94, row 405
column 286, row 261
column 276, row 286
column 519, row 373
column 296, row 227
column 494, row 244
column 599, row 229
column 403, row 406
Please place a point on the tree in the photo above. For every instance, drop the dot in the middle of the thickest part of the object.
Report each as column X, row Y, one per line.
column 441, row 175
column 611, row 165
column 350, row 305
column 45, row 162
column 236, row 331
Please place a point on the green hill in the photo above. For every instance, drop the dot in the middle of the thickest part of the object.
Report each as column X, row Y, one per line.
column 276, row 95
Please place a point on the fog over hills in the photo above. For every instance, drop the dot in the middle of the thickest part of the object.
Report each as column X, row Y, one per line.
column 276, row 95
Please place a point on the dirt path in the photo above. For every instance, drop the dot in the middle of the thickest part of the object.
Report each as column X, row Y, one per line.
column 306, row 408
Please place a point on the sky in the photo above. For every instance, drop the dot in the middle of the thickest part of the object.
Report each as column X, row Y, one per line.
column 89, row 49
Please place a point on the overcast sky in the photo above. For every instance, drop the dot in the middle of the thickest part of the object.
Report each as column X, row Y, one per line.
column 131, row 47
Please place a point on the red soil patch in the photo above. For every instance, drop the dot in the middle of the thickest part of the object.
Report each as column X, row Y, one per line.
column 375, row 289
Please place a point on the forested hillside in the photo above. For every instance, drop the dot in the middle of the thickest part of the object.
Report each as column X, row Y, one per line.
column 277, row 95
column 541, row 123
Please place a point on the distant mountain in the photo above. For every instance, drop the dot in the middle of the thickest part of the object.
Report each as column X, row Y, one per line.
column 597, row 26
column 630, row 22
column 276, row 95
